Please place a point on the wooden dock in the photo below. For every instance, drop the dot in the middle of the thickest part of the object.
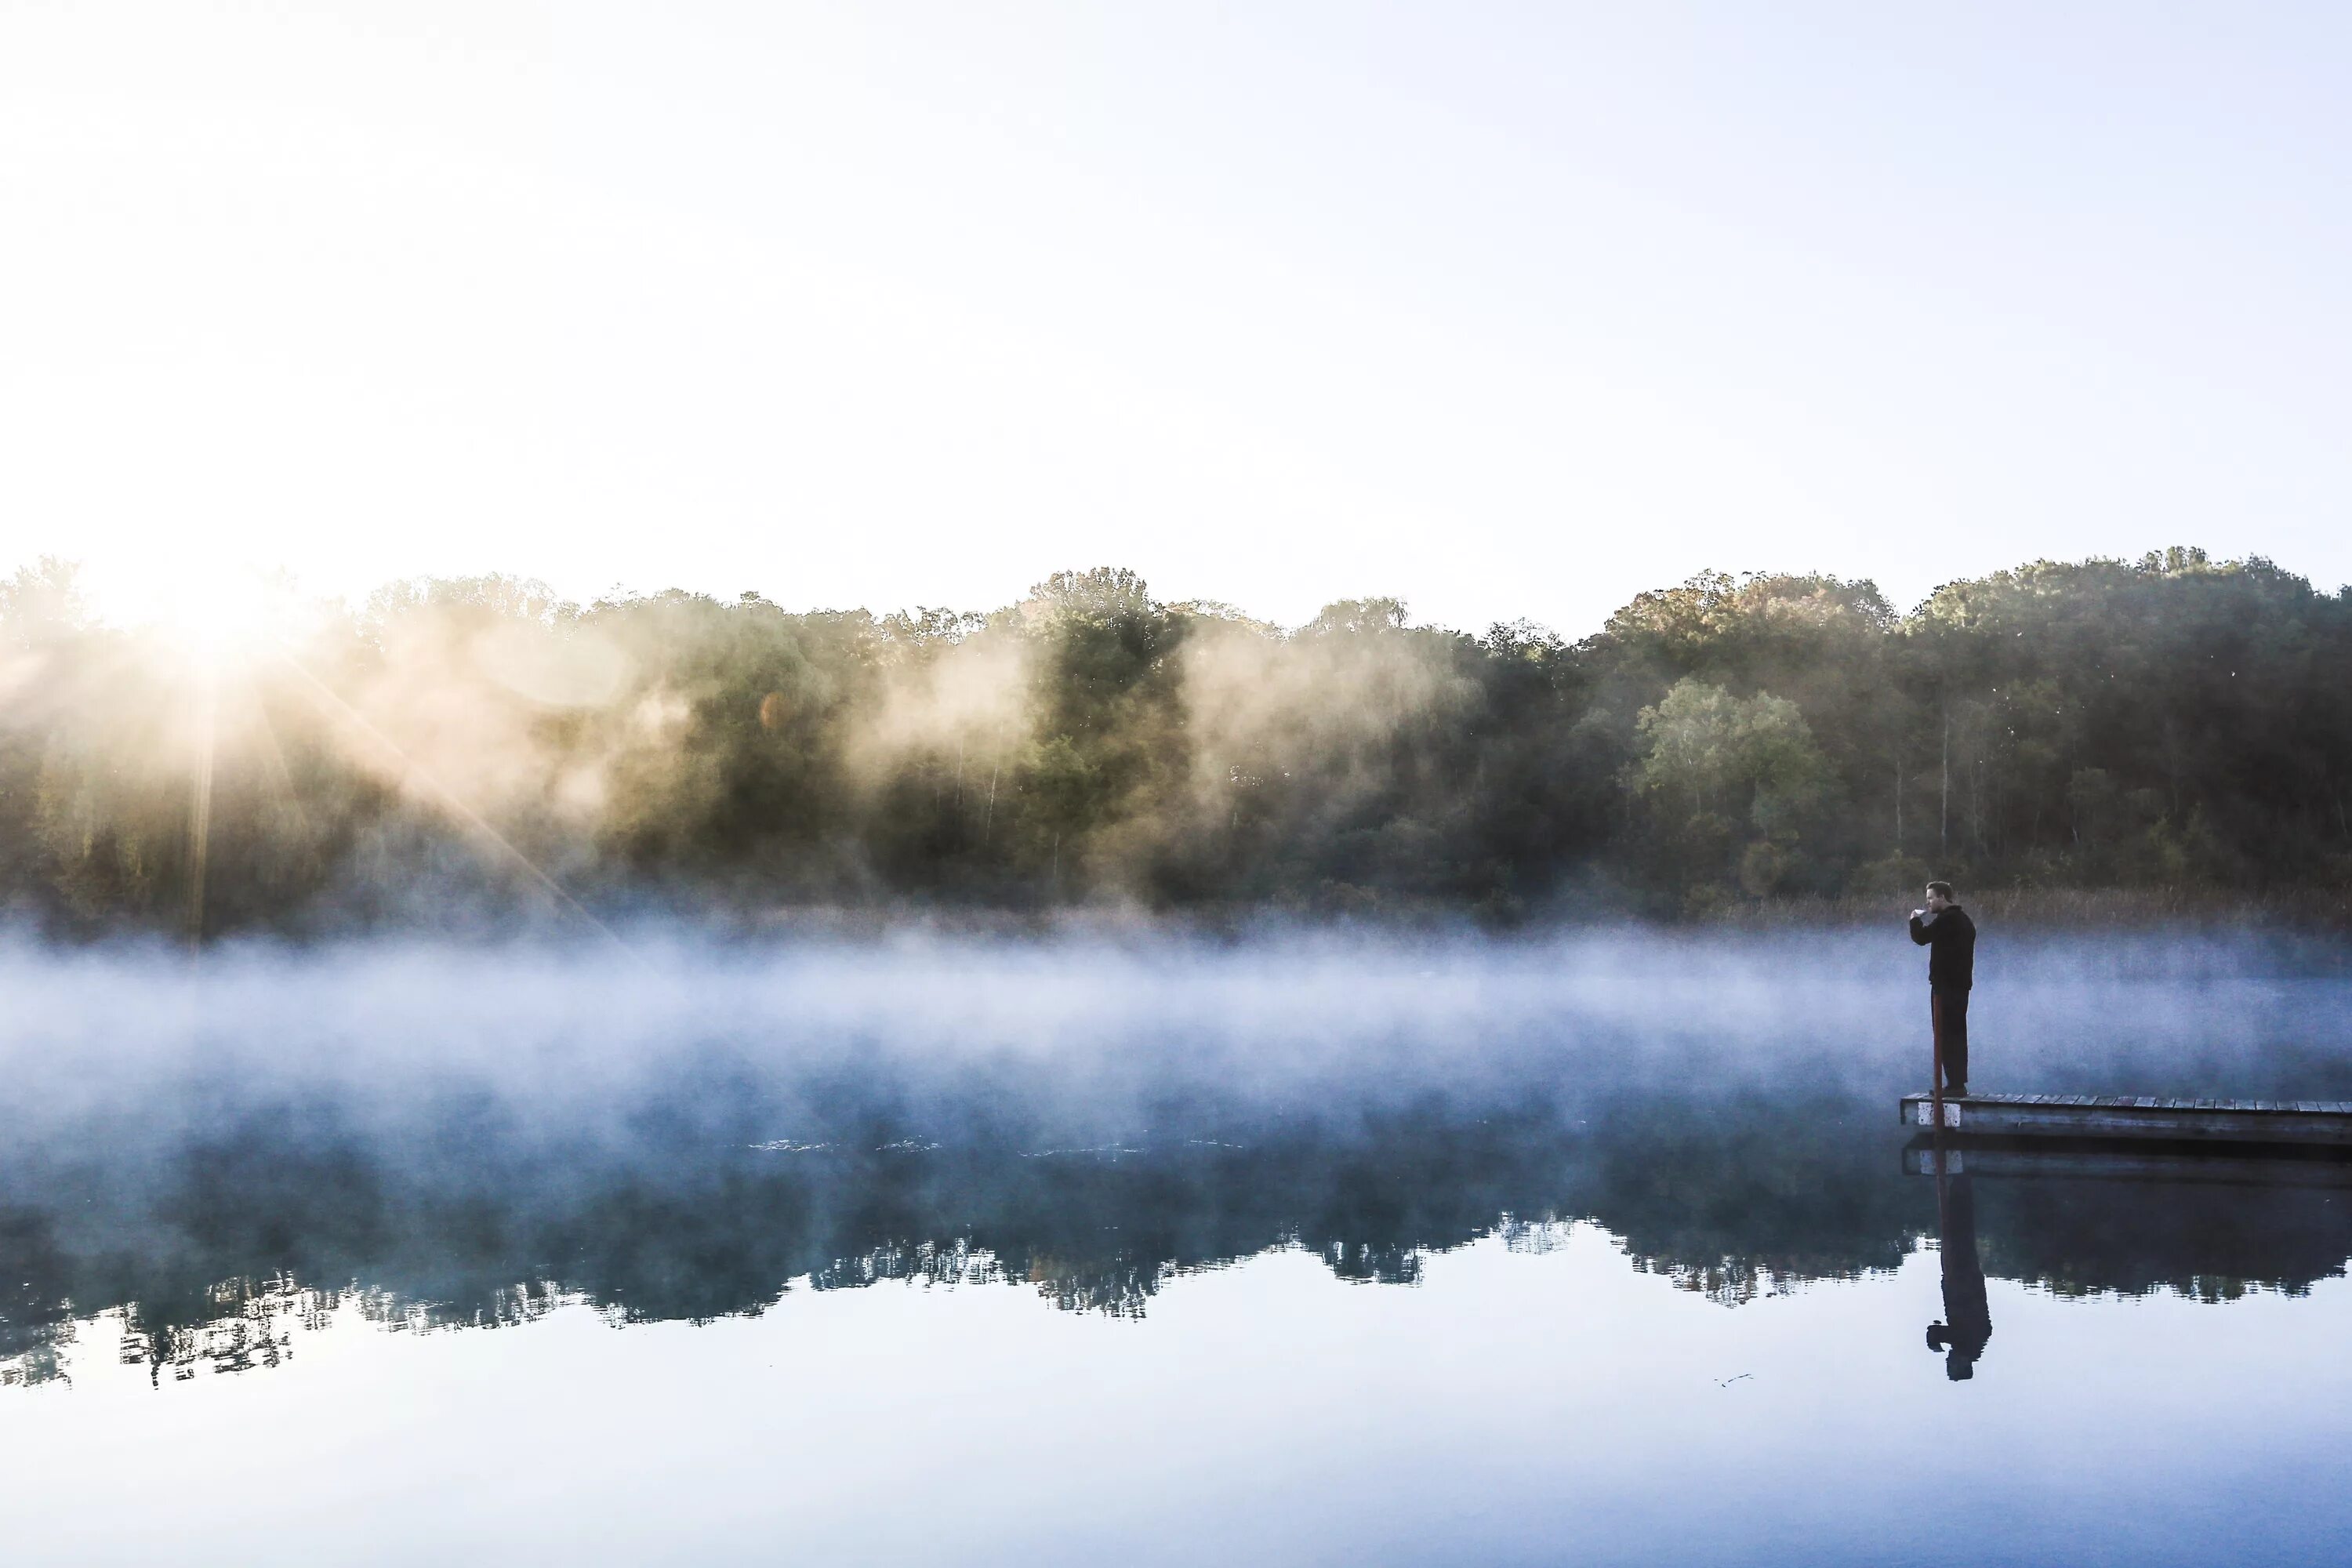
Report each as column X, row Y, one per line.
column 2316, row 1123
column 2203, row 1166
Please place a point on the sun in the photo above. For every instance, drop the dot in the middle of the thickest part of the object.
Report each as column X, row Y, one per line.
column 215, row 612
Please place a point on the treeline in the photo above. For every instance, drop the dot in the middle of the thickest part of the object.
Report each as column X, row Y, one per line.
column 477, row 745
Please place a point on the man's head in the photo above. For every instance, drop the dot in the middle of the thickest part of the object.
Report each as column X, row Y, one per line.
column 1939, row 894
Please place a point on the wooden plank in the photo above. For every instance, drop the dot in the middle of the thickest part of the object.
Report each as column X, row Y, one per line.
column 2324, row 1123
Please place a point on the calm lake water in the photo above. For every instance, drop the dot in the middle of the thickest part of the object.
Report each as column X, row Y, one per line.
column 1590, row 1250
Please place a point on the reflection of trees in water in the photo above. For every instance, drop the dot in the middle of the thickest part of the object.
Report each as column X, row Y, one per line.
column 2206, row 1243
column 218, row 1255
column 1745, row 1197
column 1728, row 1281
column 36, row 1314
column 241, row 1323
column 234, row 1325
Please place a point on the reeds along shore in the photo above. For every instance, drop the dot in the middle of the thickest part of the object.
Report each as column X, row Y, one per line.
column 2073, row 908
column 2172, row 736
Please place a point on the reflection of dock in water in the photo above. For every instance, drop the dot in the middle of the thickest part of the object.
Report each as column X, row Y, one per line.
column 2320, row 1122
column 2210, row 1221
column 2200, row 1164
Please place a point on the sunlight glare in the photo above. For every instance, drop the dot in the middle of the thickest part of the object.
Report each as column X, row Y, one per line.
column 216, row 611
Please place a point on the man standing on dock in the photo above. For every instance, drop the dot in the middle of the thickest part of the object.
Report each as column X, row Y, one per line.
column 1944, row 928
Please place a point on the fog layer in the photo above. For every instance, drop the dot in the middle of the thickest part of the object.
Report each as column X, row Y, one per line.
column 468, row 1135
column 965, row 1039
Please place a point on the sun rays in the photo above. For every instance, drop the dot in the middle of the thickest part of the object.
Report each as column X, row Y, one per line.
column 193, row 687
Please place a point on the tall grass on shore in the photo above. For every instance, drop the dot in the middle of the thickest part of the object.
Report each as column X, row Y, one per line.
column 2071, row 909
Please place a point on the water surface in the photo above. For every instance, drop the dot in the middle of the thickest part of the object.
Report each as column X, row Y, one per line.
column 1597, row 1249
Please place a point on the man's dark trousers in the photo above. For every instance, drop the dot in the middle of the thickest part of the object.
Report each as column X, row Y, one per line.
column 1949, row 1008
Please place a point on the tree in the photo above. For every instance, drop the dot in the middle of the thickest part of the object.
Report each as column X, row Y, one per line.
column 1736, row 779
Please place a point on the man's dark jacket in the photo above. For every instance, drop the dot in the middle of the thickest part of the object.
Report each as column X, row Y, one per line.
column 1951, row 939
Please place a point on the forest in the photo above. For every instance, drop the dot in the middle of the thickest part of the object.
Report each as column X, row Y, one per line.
column 452, row 755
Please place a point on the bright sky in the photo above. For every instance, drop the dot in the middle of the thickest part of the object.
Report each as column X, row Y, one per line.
column 1506, row 310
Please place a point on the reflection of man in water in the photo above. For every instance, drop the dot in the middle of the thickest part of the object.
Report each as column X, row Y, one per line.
column 1967, row 1321
column 1944, row 928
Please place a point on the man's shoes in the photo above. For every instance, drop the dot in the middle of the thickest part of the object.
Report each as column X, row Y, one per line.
column 1958, row 1091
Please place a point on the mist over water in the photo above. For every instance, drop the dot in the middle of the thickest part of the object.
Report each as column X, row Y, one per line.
column 275, row 1167
column 912, row 1092
column 966, row 1041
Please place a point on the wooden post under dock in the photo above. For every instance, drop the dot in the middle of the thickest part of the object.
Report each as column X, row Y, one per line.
column 2317, row 1122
